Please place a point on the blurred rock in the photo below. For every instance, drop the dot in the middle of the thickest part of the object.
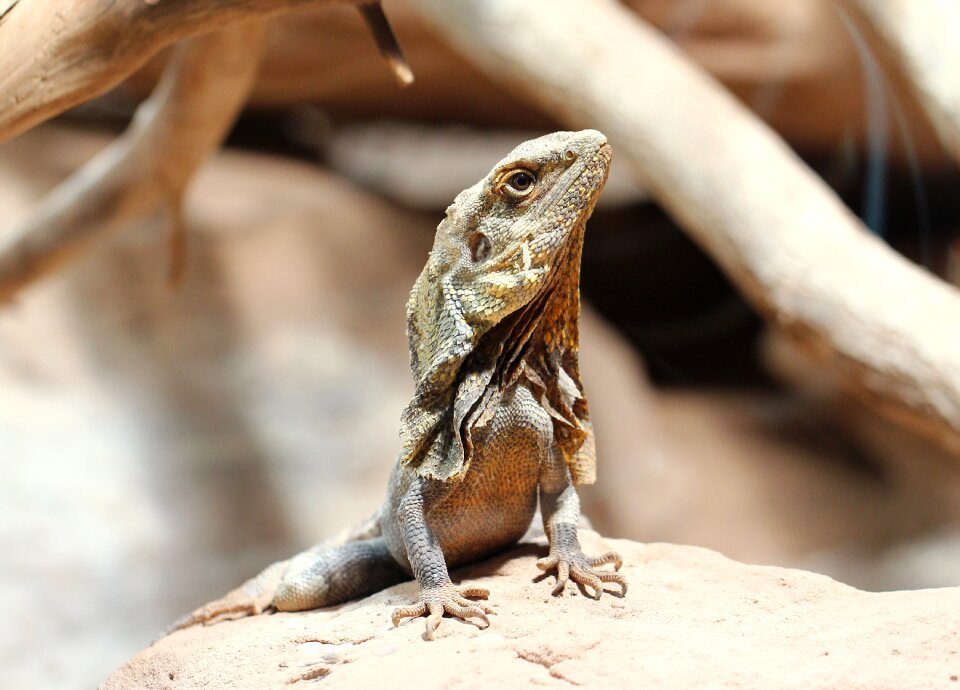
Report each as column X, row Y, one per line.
column 753, row 475
column 919, row 478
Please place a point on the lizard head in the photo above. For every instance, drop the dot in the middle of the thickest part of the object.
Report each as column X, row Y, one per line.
column 501, row 286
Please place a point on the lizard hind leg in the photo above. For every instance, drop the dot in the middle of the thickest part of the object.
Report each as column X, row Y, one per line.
column 324, row 575
column 338, row 574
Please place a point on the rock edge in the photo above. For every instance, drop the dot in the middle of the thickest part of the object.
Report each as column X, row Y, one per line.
column 692, row 618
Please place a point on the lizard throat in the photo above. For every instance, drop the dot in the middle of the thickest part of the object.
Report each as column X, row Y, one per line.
column 534, row 343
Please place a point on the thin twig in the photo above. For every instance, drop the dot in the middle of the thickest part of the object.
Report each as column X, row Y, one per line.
column 376, row 21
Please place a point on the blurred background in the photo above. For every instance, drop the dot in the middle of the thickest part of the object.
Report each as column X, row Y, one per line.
column 161, row 444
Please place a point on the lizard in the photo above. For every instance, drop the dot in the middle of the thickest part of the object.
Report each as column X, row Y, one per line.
column 498, row 418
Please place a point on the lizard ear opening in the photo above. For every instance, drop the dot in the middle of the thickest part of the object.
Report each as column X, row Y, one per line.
column 480, row 246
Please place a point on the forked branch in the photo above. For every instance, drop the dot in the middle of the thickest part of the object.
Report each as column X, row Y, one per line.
column 202, row 90
column 57, row 53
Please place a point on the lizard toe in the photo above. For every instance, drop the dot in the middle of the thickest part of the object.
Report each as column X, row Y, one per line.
column 462, row 601
column 402, row 612
column 433, row 620
column 609, row 557
column 563, row 575
column 474, row 591
column 572, row 564
column 587, row 578
column 616, row 578
column 548, row 562
column 465, row 612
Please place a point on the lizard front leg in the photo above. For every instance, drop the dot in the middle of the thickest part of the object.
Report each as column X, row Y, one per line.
column 560, row 506
column 438, row 594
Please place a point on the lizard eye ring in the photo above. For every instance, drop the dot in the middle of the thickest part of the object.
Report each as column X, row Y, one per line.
column 517, row 183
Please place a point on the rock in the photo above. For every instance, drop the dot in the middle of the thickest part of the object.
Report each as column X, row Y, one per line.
column 692, row 618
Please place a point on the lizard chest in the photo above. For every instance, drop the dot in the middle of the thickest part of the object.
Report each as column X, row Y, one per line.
column 492, row 506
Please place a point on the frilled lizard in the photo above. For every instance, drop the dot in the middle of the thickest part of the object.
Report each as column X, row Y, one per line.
column 499, row 415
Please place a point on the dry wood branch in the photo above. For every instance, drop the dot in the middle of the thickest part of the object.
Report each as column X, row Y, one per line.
column 6, row 6
column 776, row 229
column 202, row 90
column 923, row 34
column 55, row 54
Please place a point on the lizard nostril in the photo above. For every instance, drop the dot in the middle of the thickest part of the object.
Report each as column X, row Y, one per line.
column 570, row 154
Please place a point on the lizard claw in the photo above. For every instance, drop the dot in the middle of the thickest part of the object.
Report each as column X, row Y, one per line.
column 446, row 599
column 573, row 565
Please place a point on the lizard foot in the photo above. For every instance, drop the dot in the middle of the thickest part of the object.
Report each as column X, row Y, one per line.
column 573, row 564
column 447, row 598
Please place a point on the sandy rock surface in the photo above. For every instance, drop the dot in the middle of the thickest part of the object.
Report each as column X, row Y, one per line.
column 692, row 618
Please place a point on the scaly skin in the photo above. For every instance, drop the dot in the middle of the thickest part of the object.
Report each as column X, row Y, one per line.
column 498, row 419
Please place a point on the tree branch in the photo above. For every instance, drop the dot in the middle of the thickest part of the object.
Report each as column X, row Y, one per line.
column 923, row 35
column 203, row 89
column 776, row 229
column 55, row 54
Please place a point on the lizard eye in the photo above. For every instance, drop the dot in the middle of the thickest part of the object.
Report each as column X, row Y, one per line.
column 517, row 183
column 479, row 246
